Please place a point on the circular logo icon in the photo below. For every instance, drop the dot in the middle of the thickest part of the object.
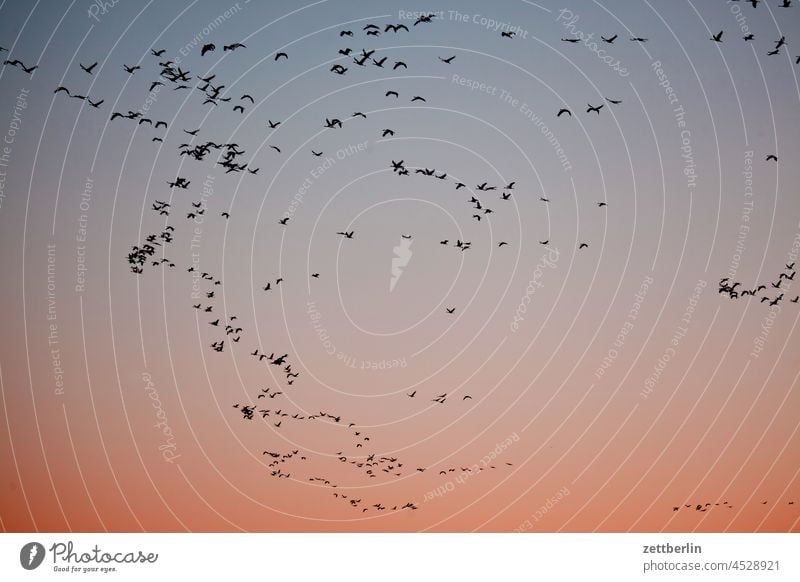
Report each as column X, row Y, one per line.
column 31, row 555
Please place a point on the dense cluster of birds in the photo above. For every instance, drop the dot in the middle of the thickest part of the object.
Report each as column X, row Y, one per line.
column 228, row 331
column 734, row 289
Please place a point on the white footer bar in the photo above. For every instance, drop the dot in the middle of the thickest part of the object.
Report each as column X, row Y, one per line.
column 371, row 557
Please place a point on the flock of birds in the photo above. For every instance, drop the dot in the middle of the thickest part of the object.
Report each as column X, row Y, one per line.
column 228, row 331
column 776, row 50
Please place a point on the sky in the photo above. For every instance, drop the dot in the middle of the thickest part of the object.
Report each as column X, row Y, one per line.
column 593, row 374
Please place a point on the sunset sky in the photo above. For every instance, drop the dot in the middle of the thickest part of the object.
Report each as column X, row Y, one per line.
column 572, row 388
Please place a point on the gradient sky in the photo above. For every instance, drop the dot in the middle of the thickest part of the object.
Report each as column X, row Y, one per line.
column 625, row 386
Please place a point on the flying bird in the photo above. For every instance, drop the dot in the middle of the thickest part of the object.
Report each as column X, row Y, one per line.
column 88, row 69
